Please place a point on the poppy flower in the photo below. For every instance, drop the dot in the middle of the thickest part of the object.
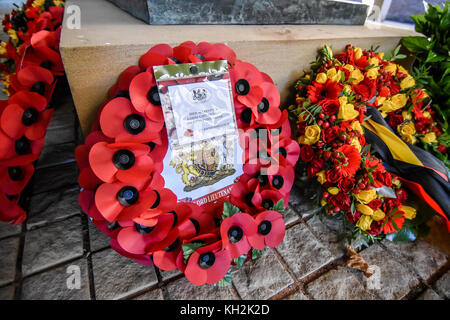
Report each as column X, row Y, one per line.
column 288, row 150
column 268, row 111
column 144, row 259
column 10, row 211
column 140, row 239
column 166, row 259
column 17, row 121
column 126, row 162
column 281, row 129
column 123, row 201
column 271, row 197
column 14, row 179
column 145, row 97
column 17, row 152
column 34, row 79
column 156, row 56
column 226, row 53
column 208, row 264
column 244, row 116
column 121, row 88
column 161, row 201
column 158, row 149
column 270, row 230
column 347, row 160
column 86, row 200
column 121, row 121
column 235, row 231
column 246, row 195
column 44, row 57
column 246, row 84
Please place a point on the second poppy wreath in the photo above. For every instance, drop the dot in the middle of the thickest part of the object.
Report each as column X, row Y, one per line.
column 165, row 196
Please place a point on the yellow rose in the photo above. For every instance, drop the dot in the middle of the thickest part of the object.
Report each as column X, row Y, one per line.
column 410, row 139
column 378, row 215
column 13, row 34
column 391, row 68
column 343, row 101
column 430, row 138
column 402, row 70
column 321, row 177
column 308, row 76
column 347, row 89
column 396, row 182
column 399, row 100
column 358, row 53
column 347, row 112
column 374, row 61
column 372, row 73
column 406, row 115
column 364, row 222
column 321, row 78
column 357, row 126
column 381, row 55
column 349, row 67
column 410, row 212
column 357, row 76
column 427, row 115
column 312, row 135
column 366, row 196
column 380, row 100
column 406, row 129
column 323, row 202
column 366, row 210
column 407, row 82
column 334, row 75
column 2, row 48
column 333, row 190
column 355, row 142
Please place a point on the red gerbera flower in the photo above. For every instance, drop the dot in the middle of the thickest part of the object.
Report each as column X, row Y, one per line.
column 270, row 231
column 121, row 121
column 246, row 83
column 208, row 264
column 329, row 90
column 348, row 160
column 393, row 217
column 145, row 96
column 234, row 231
column 126, row 162
column 14, row 179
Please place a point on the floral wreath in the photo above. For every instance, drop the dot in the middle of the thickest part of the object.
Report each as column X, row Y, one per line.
column 29, row 64
column 123, row 191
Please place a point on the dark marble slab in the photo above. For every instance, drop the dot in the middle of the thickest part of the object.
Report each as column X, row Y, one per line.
column 245, row 11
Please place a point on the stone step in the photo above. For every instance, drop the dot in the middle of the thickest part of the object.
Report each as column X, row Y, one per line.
column 110, row 40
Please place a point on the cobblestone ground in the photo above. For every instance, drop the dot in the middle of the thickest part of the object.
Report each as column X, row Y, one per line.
column 37, row 258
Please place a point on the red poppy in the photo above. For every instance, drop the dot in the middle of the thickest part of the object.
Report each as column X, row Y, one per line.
column 86, row 199
column 140, row 239
column 44, row 57
column 347, row 160
column 163, row 201
column 10, row 211
column 226, row 53
column 158, row 149
column 126, row 162
column 247, row 195
column 246, row 82
column 17, row 152
column 208, row 264
column 144, row 259
column 121, row 121
column 190, row 52
column 35, row 79
column 235, row 231
column 329, row 90
column 288, row 150
column 270, row 230
column 245, row 118
column 156, row 56
column 166, row 259
column 121, row 88
column 14, row 179
column 145, row 97
column 268, row 111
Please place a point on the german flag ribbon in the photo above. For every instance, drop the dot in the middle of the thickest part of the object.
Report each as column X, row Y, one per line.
column 421, row 172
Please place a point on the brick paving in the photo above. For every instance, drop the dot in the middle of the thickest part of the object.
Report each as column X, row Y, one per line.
column 36, row 257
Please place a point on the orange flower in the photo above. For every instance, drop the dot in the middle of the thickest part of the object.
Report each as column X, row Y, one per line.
column 348, row 160
column 394, row 217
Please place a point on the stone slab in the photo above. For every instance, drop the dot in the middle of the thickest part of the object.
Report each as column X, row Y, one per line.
column 302, row 252
column 53, row 206
column 261, row 278
column 429, row 294
column 296, row 296
column 443, row 285
column 155, row 294
column 56, row 154
column 52, row 245
column 59, row 283
column 98, row 239
column 182, row 289
column 7, row 293
column 55, row 178
column 329, row 231
column 290, row 215
column 8, row 253
column 245, row 11
column 396, row 281
column 7, row 229
column 116, row 277
column 304, row 197
column 420, row 255
column 110, row 40
column 340, row 284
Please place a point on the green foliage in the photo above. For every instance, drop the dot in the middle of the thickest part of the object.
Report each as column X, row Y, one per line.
column 279, row 206
column 432, row 65
column 229, row 210
column 257, row 253
column 240, row 260
column 189, row 248
column 394, row 55
column 225, row 282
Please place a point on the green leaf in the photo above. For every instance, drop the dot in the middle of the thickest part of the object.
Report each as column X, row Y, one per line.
column 279, row 206
column 229, row 210
column 240, row 260
column 433, row 57
column 190, row 248
column 404, row 235
column 225, row 282
column 416, row 44
column 257, row 253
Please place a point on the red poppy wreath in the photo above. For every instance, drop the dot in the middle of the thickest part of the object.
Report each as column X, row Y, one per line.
column 125, row 193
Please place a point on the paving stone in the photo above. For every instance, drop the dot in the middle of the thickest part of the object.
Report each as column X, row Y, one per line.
column 55, row 178
column 182, row 289
column 443, row 285
column 296, row 296
column 116, row 276
column 64, row 114
column 329, row 231
column 421, row 255
column 68, row 282
column 302, row 251
column 53, row 206
column 7, row 229
column 53, row 155
column 7, row 293
column 395, row 280
column 8, row 257
column 261, row 278
column 304, row 196
column 340, row 284
column 53, row 244
column 429, row 294
column 60, row 135
column 98, row 239
column 166, row 275
column 155, row 294
column 290, row 215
